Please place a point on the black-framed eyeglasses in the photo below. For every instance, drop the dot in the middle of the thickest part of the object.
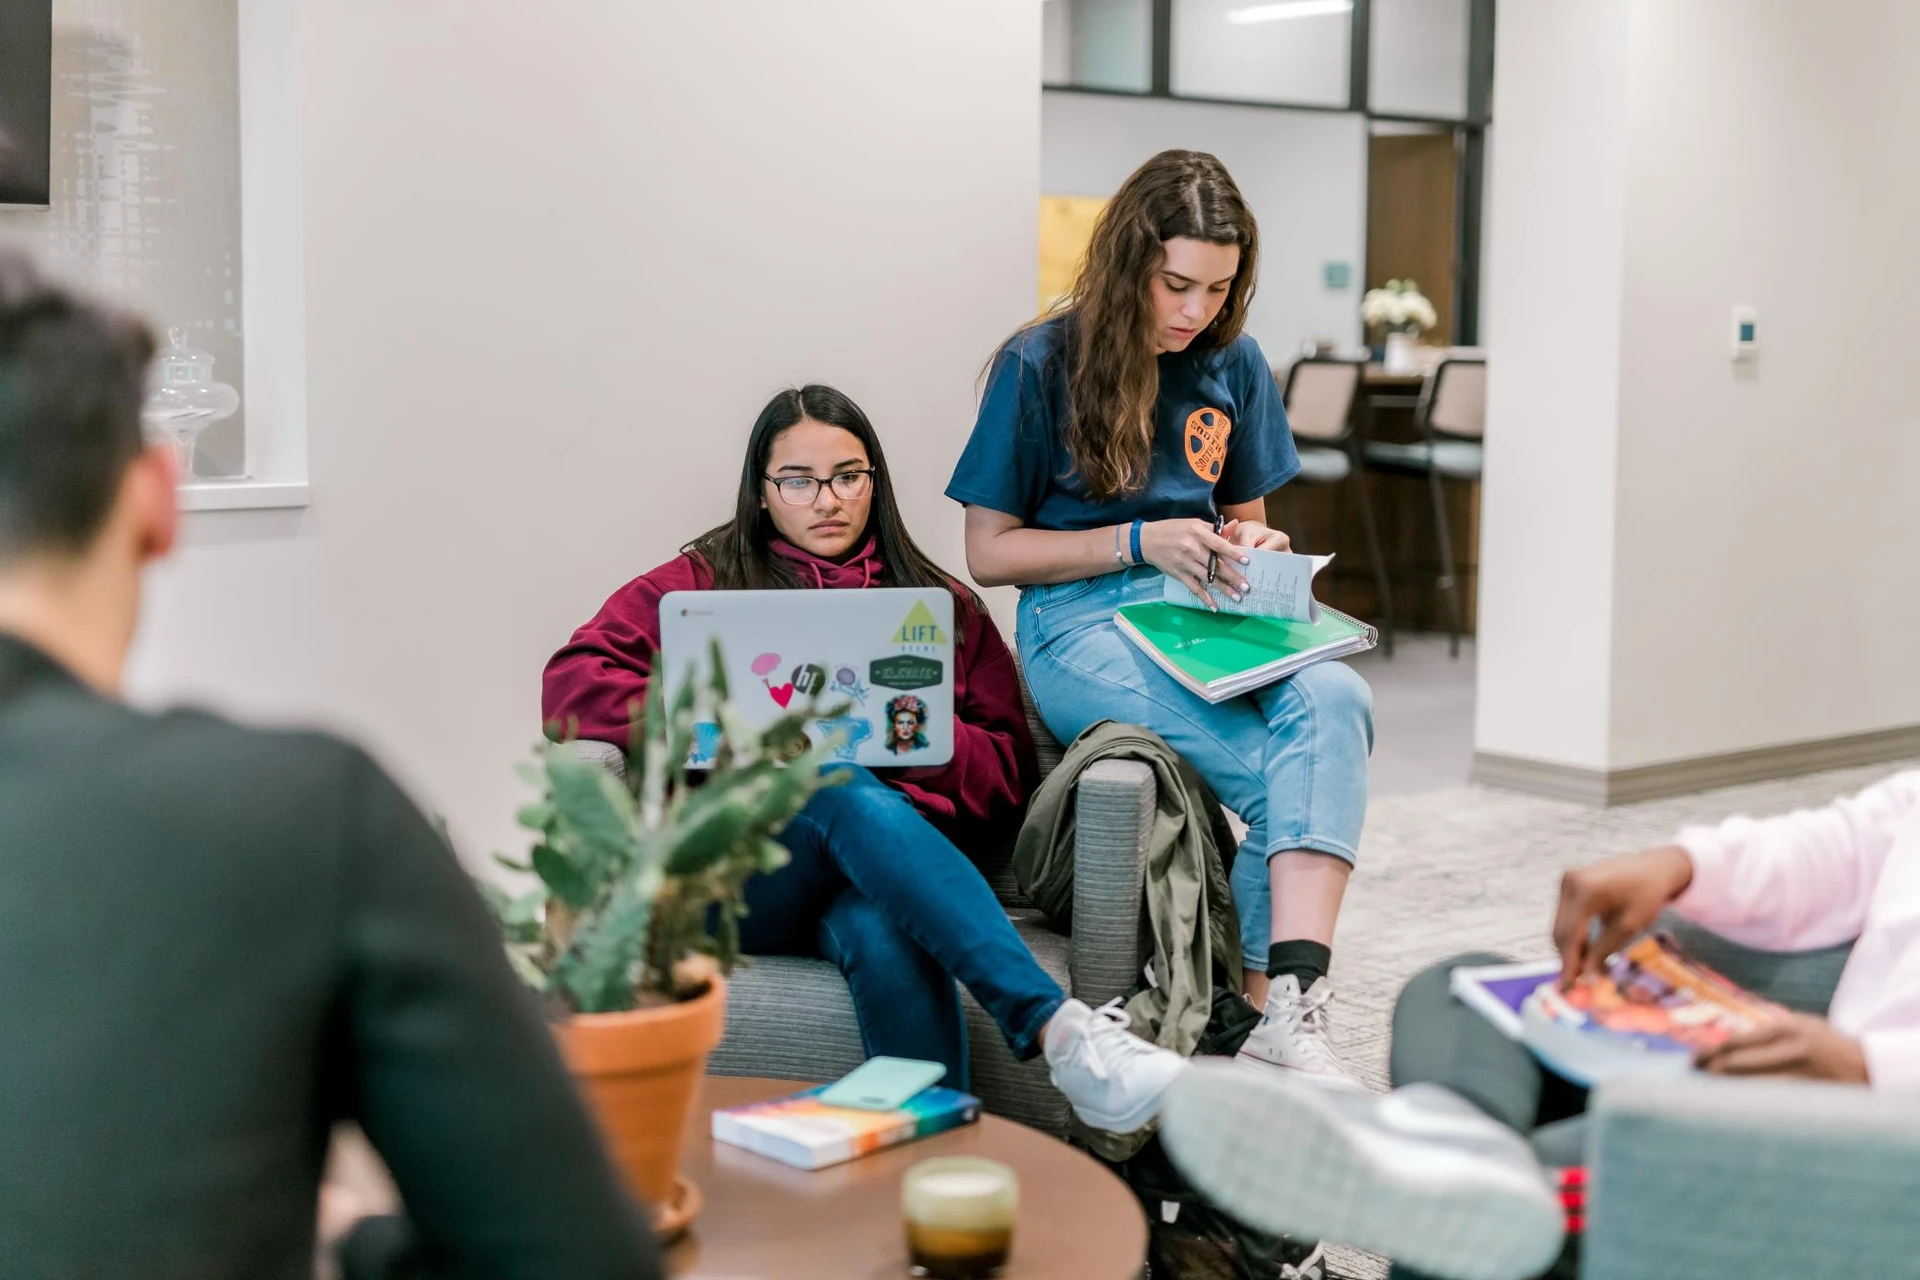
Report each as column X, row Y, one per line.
column 800, row 491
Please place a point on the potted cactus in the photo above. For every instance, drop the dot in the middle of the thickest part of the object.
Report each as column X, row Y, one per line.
column 635, row 920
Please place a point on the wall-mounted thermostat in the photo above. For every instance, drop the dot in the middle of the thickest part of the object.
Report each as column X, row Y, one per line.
column 1746, row 333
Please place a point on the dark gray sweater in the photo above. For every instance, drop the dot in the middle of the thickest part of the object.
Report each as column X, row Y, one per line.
column 215, row 942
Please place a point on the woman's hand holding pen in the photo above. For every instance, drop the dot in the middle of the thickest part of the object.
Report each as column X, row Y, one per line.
column 1184, row 549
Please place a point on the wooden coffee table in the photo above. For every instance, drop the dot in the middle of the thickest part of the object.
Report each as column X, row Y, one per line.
column 764, row 1221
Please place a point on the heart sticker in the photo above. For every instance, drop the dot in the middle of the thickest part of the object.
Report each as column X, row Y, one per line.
column 782, row 693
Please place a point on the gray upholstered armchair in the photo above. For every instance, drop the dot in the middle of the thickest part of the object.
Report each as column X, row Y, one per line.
column 1694, row 1176
column 792, row 1018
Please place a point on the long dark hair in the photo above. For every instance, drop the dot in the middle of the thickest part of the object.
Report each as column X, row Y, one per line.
column 740, row 552
column 1113, row 381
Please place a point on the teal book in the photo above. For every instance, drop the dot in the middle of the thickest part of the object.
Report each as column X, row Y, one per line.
column 806, row 1133
column 1221, row 655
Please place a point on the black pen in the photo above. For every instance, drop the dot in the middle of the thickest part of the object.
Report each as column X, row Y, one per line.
column 1213, row 557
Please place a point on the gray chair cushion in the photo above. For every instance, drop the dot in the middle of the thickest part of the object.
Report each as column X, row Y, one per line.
column 792, row 1019
column 1698, row 1176
column 1324, row 466
column 789, row 1019
column 1454, row 459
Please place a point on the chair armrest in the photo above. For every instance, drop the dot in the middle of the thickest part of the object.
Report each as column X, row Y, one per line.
column 1114, row 806
column 1699, row 1176
column 1802, row 980
column 604, row 754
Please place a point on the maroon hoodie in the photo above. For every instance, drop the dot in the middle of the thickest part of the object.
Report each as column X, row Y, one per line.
column 597, row 675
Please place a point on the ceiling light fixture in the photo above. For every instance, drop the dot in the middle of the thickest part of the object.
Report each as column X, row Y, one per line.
column 1288, row 9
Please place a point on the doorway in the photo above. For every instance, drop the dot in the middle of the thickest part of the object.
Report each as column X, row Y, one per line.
column 1413, row 186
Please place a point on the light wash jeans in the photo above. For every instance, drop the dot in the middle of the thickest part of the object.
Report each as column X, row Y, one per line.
column 1289, row 759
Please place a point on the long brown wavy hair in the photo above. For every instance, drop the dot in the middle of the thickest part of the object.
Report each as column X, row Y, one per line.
column 1113, row 382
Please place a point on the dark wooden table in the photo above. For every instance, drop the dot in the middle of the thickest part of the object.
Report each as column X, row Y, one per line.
column 764, row 1220
column 1377, row 378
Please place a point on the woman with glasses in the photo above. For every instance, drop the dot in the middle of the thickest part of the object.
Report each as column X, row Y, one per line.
column 876, row 883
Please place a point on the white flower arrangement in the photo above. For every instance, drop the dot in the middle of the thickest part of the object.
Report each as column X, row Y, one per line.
column 1398, row 307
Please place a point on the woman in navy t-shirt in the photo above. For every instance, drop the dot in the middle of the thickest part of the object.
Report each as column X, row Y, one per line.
column 1109, row 437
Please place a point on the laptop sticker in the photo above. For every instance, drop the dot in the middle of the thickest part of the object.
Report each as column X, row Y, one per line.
column 763, row 667
column 906, row 724
column 856, row 730
column 905, row 671
column 919, row 628
column 706, row 742
column 846, row 683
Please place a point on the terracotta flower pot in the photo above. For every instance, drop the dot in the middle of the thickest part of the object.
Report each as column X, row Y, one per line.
column 639, row 1071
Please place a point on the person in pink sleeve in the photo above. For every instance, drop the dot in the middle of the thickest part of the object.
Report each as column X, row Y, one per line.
column 1473, row 1165
column 876, row 882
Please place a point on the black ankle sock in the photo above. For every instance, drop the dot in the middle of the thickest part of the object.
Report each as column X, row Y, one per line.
column 1306, row 961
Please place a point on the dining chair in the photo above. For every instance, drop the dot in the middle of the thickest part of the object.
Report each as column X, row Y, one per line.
column 1320, row 393
column 1451, row 417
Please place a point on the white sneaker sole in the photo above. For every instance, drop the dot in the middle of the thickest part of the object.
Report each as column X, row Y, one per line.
column 1261, row 1062
column 1281, row 1156
column 1125, row 1123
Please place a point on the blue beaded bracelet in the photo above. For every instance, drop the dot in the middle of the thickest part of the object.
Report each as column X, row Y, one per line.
column 1133, row 541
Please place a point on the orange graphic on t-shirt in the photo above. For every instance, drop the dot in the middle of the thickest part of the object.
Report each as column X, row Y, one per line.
column 1206, row 438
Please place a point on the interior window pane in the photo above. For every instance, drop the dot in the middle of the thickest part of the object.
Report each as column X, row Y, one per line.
column 1097, row 44
column 146, row 178
column 1418, row 59
column 1291, row 51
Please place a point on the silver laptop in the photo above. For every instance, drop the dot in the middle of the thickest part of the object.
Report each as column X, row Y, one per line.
column 887, row 652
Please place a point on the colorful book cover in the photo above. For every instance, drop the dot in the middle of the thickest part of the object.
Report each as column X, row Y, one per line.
column 1651, row 1008
column 1498, row 992
column 804, row 1132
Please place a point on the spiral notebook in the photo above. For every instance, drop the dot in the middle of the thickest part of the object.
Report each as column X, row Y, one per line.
column 1217, row 656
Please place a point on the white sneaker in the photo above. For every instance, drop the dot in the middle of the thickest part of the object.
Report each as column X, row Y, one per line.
column 1293, row 1033
column 1112, row 1078
column 1419, row 1175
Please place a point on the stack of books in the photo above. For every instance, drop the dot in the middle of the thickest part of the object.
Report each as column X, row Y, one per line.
column 806, row 1133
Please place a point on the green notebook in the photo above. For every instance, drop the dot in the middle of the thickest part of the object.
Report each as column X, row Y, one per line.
column 1220, row 655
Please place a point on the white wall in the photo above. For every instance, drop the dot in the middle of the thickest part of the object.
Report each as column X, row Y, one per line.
column 1670, row 538
column 1765, row 508
column 1304, row 174
column 554, row 269
column 1056, row 41
column 1548, row 511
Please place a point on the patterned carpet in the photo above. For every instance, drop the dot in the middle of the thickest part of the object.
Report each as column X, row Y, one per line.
column 1473, row 869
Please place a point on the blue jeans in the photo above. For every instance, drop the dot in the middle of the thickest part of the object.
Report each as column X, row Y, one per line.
column 878, row 890
column 1290, row 759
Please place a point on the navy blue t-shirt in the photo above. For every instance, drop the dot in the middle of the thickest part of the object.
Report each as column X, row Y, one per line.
column 1220, row 437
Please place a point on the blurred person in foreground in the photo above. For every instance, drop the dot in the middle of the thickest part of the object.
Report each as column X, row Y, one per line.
column 217, row 942
column 1473, row 1167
